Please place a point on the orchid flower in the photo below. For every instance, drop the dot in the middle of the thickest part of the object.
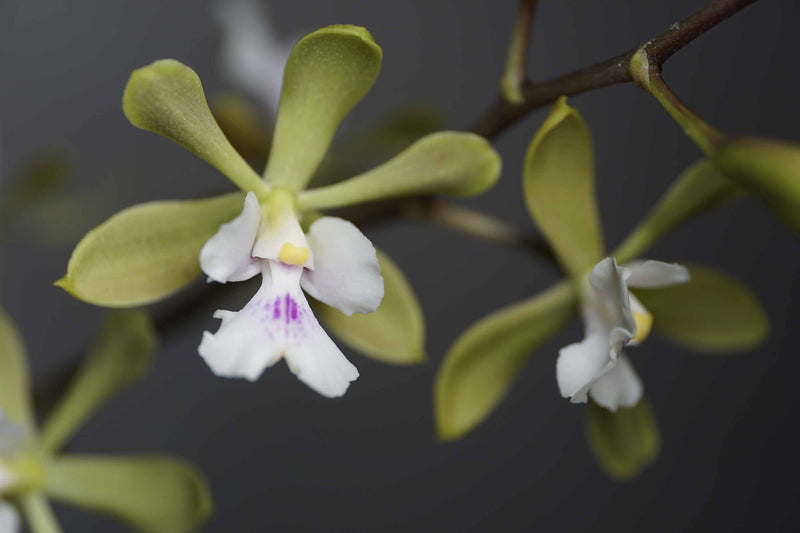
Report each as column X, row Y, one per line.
column 147, row 252
column 153, row 494
column 613, row 319
column 252, row 53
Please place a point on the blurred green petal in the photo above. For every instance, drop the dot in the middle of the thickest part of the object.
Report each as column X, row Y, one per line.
column 481, row 365
column 146, row 252
column 14, row 380
column 395, row 333
column 558, row 181
column 150, row 493
column 624, row 442
column 120, row 356
column 713, row 313
column 166, row 97
column 699, row 188
column 239, row 121
column 449, row 162
column 45, row 173
column 770, row 170
column 327, row 73
column 38, row 514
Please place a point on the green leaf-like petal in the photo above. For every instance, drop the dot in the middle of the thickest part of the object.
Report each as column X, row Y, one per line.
column 481, row 365
column 166, row 97
column 713, row 313
column 14, row 380
column 38, row 514
column 120, row 356
column 699, row 188
column 769, row 169
column 146, row 252
column 624, row 442
column 558, row 181
column 327, row 73
column 395, row 333
column 449, row 162
column 152, row 494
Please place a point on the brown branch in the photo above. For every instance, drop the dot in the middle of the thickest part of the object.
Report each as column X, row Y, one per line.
column 502, row 114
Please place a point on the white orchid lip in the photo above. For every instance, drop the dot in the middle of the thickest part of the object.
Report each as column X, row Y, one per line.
column 335, row 263
column 613, row 319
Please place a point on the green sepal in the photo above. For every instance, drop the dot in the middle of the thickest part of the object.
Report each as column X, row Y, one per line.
column 15, row 400
column 152, row 494
column 769, row 169
column 146, row 252
column 623, row 442
column 120, row 356
column 328, row 72
column 449, row 162
column 38, row 514
column 713, row 313
column 394, row 333
column 559, row 187
column 699, row 188
column 166, row 97
column 482, row 363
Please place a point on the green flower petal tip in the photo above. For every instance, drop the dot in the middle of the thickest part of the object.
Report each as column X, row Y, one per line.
column 328, row 72
column 166, row 97
column 448, row 162
column 769, row 169
column 558, row 182
column 145, row 252
column 394, row 333
column 624, row 442
column 481, row 366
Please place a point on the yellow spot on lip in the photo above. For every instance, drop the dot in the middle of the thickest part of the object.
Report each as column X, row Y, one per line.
column 293, row 255
column 644, row 323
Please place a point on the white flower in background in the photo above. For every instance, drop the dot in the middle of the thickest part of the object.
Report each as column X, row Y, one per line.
column 253, row 56
column 11, row 438
column 613, row 318
column 334, row 262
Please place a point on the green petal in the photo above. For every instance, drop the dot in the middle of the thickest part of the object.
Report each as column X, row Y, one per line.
column 38, row 514
column 483, row 362
column 395, row 333
column 699, row 188
column 150, row 493
column 449, row 162
column 166, row 97
column 558, row 181
column 769, row 169
column 146, row 252
column 713, row 313
column 327, row 73
column 625, row 442
column 120, row 356
column 14, row 380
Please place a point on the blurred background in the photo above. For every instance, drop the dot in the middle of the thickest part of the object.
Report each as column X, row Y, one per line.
column 281, row 458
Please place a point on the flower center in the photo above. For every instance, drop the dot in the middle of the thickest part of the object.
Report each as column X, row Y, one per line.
column 293, row 255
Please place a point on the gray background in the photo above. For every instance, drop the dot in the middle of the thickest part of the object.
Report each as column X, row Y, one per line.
column 281, row 458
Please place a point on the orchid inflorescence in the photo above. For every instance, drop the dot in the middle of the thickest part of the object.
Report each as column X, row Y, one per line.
column 320, row 273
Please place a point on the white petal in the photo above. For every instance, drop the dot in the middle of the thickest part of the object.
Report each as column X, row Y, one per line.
column 580, row 364
column 274, row 234
column 277, row 322
column 253, row 56
column 227, row 255
column 610, row 284
column 653, row 274
column 9, row 520
column 619, row 387
column 346, row 272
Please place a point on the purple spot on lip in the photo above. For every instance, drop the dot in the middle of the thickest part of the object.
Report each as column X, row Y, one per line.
column 294, row 310
column 287, row 305
column 276, row 309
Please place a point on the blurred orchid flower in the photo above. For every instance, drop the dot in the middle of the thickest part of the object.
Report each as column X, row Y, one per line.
column 613, row 318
